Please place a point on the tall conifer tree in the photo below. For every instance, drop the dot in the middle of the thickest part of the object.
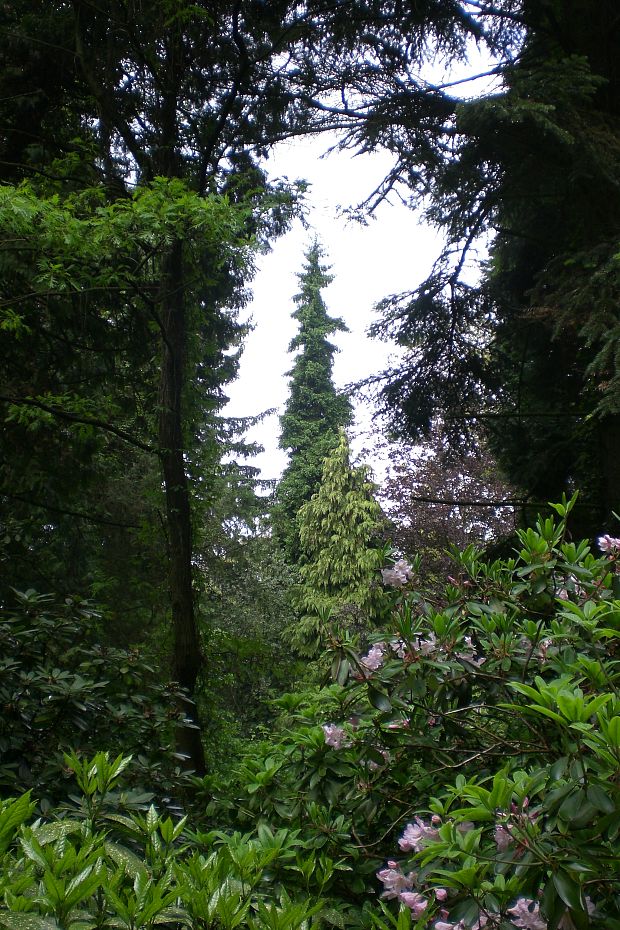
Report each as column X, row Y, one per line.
column 315, row 411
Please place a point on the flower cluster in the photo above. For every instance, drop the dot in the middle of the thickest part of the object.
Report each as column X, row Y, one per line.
column 514, row 829
column 417, row 646
column 417, row 835
column 335, row 736
column 395, row 881
column 608, row 543
column 525, row 914
column 374, row 659
column 398, row 575
column 468, row 652
column 400, row 886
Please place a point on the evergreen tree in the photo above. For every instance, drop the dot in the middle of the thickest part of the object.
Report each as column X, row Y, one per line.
column 341, row 553
column 527, row 353
column 315, row 411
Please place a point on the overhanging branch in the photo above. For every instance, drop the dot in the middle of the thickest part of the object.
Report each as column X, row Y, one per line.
column 79, row 418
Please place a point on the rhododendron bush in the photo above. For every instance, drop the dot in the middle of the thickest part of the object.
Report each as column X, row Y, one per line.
column 462, row 770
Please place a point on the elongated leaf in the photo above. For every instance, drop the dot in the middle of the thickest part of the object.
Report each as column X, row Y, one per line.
column 568, row 889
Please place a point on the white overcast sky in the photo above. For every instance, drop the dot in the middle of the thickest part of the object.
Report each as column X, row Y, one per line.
column 391, row 254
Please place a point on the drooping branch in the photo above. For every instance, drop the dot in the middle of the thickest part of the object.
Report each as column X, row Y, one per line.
column 79, row 418
column 78, row 514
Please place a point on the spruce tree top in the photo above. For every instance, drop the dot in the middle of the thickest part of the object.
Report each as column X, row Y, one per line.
column 314, row 406
column 315, row 411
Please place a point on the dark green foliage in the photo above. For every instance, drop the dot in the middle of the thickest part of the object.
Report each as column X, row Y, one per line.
column 315, row 410
column 62, row 687
column 126, row 342
column 475, row 748
column 80, row 476
column 340, row 535
column 528, row 354
column 245, row 606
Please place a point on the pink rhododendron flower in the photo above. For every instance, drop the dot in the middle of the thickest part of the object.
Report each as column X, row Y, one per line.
column 469, row 652
column 608, row 543
column 417, row 835
column 400, row 648
column 525, row 915
column 482, row 921
column 427, row 646
column 335, row 736
column 374, row 659
column 395, row 881
column 416, row 903
column 441, row 894
column 398, row 575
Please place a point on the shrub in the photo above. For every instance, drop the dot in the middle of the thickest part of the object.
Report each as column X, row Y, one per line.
column 97, row 866
column 61, row 688
column 467, row 767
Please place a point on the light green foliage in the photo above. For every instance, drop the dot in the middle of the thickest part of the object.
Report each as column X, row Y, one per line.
column 315, row 411
column 340, row 535
column 99, row 867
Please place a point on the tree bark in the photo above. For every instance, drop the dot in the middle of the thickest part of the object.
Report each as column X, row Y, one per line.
column 610, row 469
column 187, row 659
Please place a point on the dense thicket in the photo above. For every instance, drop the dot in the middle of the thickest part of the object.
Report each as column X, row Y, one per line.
column 464, row 769
column 132, row 345
column 474, row 743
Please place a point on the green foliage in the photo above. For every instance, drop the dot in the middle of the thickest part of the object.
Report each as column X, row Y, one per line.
column 244, row 586
column 61, row 686
column 315, row 411
column 475, row 748
column 127, row 438
column 99, row 867
column 81, row 482
column 339, row 530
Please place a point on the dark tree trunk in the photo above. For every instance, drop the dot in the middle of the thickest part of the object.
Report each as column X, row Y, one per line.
column 610, row 471
column 186, row 642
